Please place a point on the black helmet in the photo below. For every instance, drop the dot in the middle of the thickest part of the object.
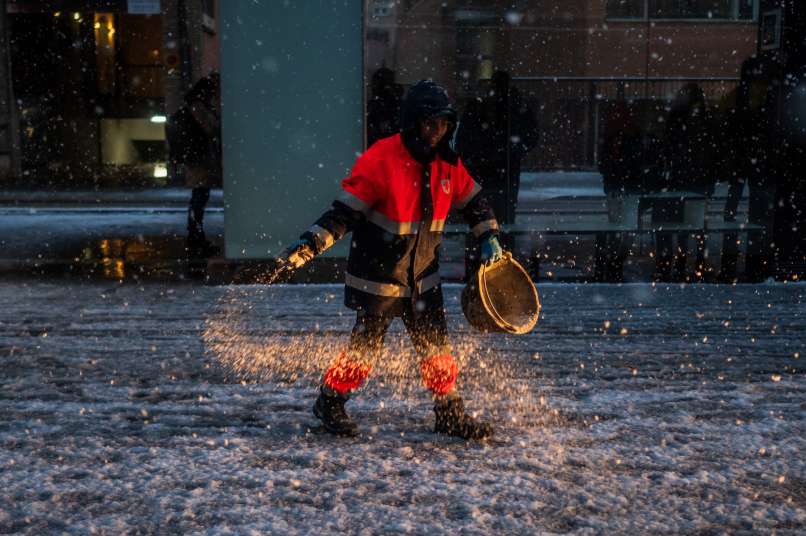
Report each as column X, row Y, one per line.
column 423, row 100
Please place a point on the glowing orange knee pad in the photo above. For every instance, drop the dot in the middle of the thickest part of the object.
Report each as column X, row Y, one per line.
column 345, row 375
column 439, row 373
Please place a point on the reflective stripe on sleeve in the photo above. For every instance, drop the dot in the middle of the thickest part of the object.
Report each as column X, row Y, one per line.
column 462, row 203
column 437, row 226
column 323, row 235
column 352, row 201
column 482, row 227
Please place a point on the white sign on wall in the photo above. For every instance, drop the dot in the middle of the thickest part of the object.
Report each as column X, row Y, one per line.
column 144, row 7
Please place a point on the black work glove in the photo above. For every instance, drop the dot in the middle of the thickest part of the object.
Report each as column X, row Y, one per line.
column 298, row 253
column 292, row 257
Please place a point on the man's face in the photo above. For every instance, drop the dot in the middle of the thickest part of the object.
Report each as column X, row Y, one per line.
column 433, row 129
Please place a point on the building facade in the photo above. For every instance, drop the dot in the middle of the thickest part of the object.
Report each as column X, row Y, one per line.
column 569, row 58
column 92, row 83
column 88, row 76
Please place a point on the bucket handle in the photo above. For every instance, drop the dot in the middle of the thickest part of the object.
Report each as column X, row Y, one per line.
column 489, row 305
column 506, row 257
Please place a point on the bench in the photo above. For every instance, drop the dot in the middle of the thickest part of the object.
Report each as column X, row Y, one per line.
column 629, row 219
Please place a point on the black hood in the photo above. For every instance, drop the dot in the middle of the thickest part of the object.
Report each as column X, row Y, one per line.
column 423, row 100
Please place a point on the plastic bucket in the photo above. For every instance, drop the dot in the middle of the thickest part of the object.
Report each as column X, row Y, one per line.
column 501, row 298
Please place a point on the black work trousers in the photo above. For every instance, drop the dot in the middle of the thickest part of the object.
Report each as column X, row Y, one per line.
column 427, row 330
column 429, row 334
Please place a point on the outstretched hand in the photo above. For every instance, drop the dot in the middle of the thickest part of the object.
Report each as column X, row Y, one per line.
column 298, row 253
column 491, row 250
column 292, row 257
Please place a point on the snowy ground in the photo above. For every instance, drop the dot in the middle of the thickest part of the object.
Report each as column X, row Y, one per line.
column 179, row 408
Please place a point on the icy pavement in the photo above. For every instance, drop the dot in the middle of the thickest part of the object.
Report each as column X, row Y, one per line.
column 174, row 409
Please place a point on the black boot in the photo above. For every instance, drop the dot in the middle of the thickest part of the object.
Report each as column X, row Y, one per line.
column 452, row 419
column 329, row 408
column 197, row 245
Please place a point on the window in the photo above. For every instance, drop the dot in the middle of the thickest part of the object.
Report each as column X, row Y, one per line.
column 563, row 77
column 683, row 9
column 702, row 9
column 626, row 9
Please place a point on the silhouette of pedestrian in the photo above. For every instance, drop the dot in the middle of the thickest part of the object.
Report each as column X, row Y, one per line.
column 493, row 136
column 743, row 152
column 687, row 160
column 383, row 108
column 784, row 255
column 621, row 159
column 194, row 140
column 495, row 133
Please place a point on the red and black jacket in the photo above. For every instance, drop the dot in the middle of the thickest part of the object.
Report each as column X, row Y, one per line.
column 397, row 224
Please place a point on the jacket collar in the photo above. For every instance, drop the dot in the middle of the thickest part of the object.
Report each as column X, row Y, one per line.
column 425, row 154
column 417, row 148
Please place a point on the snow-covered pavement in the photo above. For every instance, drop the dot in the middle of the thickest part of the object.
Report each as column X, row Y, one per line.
column 154, row 408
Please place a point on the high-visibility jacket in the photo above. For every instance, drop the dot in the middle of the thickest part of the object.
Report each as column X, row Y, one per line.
column 394, row 254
